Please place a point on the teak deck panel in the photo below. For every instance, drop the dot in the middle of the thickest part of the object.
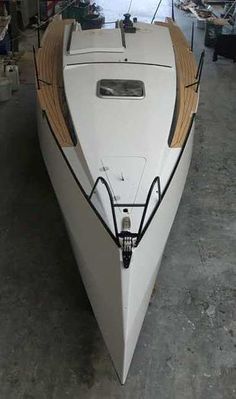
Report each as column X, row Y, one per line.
column 186, row 68
column 50, row 94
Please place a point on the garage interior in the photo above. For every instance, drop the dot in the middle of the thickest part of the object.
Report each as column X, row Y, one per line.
column 50, row 343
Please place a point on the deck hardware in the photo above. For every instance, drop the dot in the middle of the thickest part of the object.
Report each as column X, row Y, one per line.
column 122, row 177
column 38, row 23
column 36, row 68
column 38, row 35
column 155, row 13
column 130, row 4
column 103, row 181
column 129, row 205
column 199, row 73
column 124, row 234
column 126, row 223
column 200, row 65
column 155, row 181
column 128, row 242
column 199, row 69
column 192, row 36
column 121, row 26
column 104, row 169
column 172, row 10
column 70, row 37
column 128, row 24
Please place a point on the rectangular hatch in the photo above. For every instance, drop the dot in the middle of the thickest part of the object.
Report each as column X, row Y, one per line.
column 96, row 40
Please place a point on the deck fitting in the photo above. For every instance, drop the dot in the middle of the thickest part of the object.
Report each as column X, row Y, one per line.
column 128, row 241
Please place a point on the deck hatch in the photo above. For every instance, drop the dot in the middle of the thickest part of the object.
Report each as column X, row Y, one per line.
column 96, row 41
column 120, row 88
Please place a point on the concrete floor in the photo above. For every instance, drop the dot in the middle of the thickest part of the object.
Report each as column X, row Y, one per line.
column 50, row 344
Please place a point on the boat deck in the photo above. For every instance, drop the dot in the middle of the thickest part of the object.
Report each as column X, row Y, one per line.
column 51, row 92
column 187, row 98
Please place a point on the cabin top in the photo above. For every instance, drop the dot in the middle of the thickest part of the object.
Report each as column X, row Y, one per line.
column 93, row 41
column 148, row 45
column 50, row 74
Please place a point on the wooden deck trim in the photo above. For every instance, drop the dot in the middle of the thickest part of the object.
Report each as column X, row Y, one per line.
column 186, row 68
column 50, row 94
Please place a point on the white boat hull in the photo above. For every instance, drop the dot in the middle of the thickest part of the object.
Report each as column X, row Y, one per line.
column 119, row 296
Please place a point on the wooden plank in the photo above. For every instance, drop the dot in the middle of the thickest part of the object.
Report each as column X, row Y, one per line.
column 186, row 71
column 49, row 61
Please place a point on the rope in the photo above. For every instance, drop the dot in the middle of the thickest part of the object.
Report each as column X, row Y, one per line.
column 130, row 5
column 155, row 13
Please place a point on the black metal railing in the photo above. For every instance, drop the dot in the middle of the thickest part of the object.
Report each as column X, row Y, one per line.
column 103, row 181
column 199, row 73
column 128, row 239
column 156, row 181
column 192, row 36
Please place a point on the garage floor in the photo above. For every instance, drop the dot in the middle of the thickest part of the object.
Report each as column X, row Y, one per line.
column 50, row 344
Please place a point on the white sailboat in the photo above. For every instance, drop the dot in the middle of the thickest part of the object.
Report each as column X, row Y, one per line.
column 116, row 114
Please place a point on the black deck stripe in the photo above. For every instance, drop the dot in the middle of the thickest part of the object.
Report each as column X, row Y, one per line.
column 120, row 62
column 91, row 204
column 78, row 182
column 70, row 37
column 169, row 180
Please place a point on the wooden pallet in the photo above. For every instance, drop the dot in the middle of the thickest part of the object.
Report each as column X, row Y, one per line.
column 50, row 94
